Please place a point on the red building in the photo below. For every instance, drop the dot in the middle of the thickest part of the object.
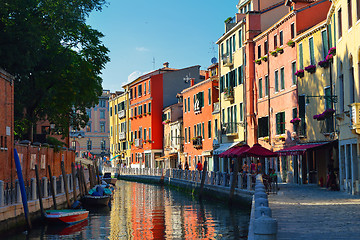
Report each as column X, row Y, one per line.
column 6, row 126
column 149, row 95
column 275, row 65
column 198, row 128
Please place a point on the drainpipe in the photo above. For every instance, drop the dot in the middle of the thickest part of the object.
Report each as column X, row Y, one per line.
column 268, row 89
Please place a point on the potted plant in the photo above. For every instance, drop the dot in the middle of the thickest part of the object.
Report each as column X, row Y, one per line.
column 264, row 58
column 266, row 139
column 329, row 58
column 273, row 53
column 323, row 63
column 319, row 117
column 258, row 61
column 281, row 138
column 299, row 73
column 328, row 112
column 310, row 68
column 228, row 20
column 332, row 51
column 295, row 120
column 291, row 43
column 279, row 50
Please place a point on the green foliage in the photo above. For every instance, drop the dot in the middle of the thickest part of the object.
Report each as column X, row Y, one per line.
column 56, row 143
column 56, row 59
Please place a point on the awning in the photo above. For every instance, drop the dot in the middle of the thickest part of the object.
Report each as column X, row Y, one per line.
column 239, row 150
column 258, row 151
column 114, row 157
column 228, row 152
column 223, row 147
column 300, row 149
column 166, row 157
column 207, row 153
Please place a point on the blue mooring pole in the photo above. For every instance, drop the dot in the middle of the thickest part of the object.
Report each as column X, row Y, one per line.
column 22, row 188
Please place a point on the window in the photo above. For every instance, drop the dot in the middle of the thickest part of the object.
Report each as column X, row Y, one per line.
column 294, row 115
column 145, row 134
column 358, row 9
column 349, row 13
column 140, row 109
column 275, row 41
column 292, row 30
column 149, row 86
column 134, row 92
column 341, row 89
column 145, row 88
column 216, row 128
column 301, row 63
column 259, row 51
column 260, row 88
column 149, row 133
column 280, row 123
column 302, row 114
column 89, row 145
column 240, row 38
column 102, row 127
column 352, row 81
column 102, row 103
column 188, row 104
column 266, row 47
column 144, row 108
column 111, row 130
column 281, row 38
column 293, row 71
column 88, row 127
column 131, row 94
column 223, row 116
column 135, row 111
column 339, row 24
column 276, row 81
column 311, row 48
column 140, row 90
column 282, row 78
column 110, row 111
column 266, row 86
column 241, row 111
column 209, row 129
column 325, row 43
column 203, row 130
column 149, row 107
column 189, row 134
column 185, row 136
column 209, row 96
column 222, row 50
column 102, row 114
column 328, row 104
column 103, row 144
column 234, row 44
column 140, row 132
column 263, row 127
column 241, row 75
column 88, row 112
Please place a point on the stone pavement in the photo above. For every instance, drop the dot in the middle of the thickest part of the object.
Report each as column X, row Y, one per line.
column 311, row 212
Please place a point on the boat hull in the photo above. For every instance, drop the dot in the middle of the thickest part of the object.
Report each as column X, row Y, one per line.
column 67, row 216
column 96, row 200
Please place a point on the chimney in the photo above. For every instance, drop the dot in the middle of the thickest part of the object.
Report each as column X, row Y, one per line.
column 166, row 64
column 207, row 74
column 192, row 82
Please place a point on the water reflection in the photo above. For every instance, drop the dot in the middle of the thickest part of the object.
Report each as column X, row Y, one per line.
column 141, row 211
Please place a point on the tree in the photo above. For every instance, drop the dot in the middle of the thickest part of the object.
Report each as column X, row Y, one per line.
column 55, row 57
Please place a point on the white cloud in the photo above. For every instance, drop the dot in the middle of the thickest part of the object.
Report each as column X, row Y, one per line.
column 142, row 49
column 134, row 75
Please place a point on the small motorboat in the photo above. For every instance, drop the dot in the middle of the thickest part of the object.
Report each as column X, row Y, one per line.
column 90, row 200
column 67, row 216
column 108, row 179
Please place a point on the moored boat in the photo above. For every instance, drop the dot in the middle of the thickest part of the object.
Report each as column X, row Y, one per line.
column 90, row 200
column 67, row 216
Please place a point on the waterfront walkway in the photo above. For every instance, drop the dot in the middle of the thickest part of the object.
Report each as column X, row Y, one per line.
column 311, row 212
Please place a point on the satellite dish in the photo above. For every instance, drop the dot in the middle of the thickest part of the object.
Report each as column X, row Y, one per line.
column 213, row 60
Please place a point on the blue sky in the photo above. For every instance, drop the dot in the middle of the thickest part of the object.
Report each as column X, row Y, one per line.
column 182, row 33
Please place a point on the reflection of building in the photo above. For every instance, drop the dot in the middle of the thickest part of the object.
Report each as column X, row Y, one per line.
column 6, row 125
column 119, row 128
column 94, row 138
column 149, row 94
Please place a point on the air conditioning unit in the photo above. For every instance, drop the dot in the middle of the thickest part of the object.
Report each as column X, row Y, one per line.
column 122, row 135
column 121, row 114
column 138, row 143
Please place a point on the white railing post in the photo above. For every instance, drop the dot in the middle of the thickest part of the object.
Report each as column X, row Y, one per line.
column 33, row 189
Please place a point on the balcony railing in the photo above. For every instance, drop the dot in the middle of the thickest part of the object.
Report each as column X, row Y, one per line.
column 121, row 114
column 197, row 142
column 230, row 128
column 229, row 94
column 122, row 135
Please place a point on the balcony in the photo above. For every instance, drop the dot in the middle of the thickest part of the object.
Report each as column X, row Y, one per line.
column 230, row 129
column 121, row 114
column 122, row 135
column 197, row 142
column 355, row 117
column 138, row 143
column 230, row 23
column 229, row 94
column 227, row 60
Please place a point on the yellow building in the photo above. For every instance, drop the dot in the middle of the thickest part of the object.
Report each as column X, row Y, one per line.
column 315, row 133
column 119, row 128
column 344, row 22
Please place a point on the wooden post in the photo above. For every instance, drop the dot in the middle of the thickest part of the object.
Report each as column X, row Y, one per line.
column 203, row 179
column 81, row 190
column 38, row 187
column 52, row 187
column 234, row 178
column 66, row 184
column 83, row 179
column 97, row 173
column 74, row 180
column 91, row 176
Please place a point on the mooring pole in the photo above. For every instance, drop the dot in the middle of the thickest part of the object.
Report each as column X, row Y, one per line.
column 66, row 184
column 52, row 187
column 38, row 188
column 203, row 179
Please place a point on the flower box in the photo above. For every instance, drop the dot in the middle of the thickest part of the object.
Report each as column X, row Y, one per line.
column 328, row 112
column 329, row 58
column 279, row 50
column 258, row 61
column 323, row 63
column 291, row 43
column 332, row 51
column 295, row 120
column 310, row 68
column 274, row 53
column 319, row 117
column 281, row 138
column 299, row 73
column 264, row 58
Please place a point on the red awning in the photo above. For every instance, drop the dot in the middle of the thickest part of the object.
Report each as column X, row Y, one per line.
column 299, row 149
column 228, row 152
column 237, row 152
column 258, row 151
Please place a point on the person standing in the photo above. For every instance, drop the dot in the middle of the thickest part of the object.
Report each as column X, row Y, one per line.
column 180, row 165
column 186, row 166
column 199, row 166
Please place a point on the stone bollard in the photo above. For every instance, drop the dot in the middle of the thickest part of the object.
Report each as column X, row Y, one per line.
column 218, row 178
column 2, row 193
column 45, row 188
column 240, row 181
column 261, row 211
column 265, row 228
column 224, row 179
column 231, row 179
column 260, row 186
column 261, row 202
column 260, row 194
column 18, row 191
column 249, row 181
column 62, row 184
column 211, row 178
column 33, row 189
column 54, row 183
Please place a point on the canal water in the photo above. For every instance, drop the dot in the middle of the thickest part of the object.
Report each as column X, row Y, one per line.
column 143, row 211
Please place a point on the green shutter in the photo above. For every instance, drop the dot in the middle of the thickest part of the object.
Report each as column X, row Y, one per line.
column 302, row 107
column 260, row 88
column 276, row 81
column 278, row 119
column 311, row 48
column 282, row 78
column 325, row 43
column 301, row 63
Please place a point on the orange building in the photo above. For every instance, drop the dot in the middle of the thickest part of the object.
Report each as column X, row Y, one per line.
column 198, row 106
column 149, row 95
